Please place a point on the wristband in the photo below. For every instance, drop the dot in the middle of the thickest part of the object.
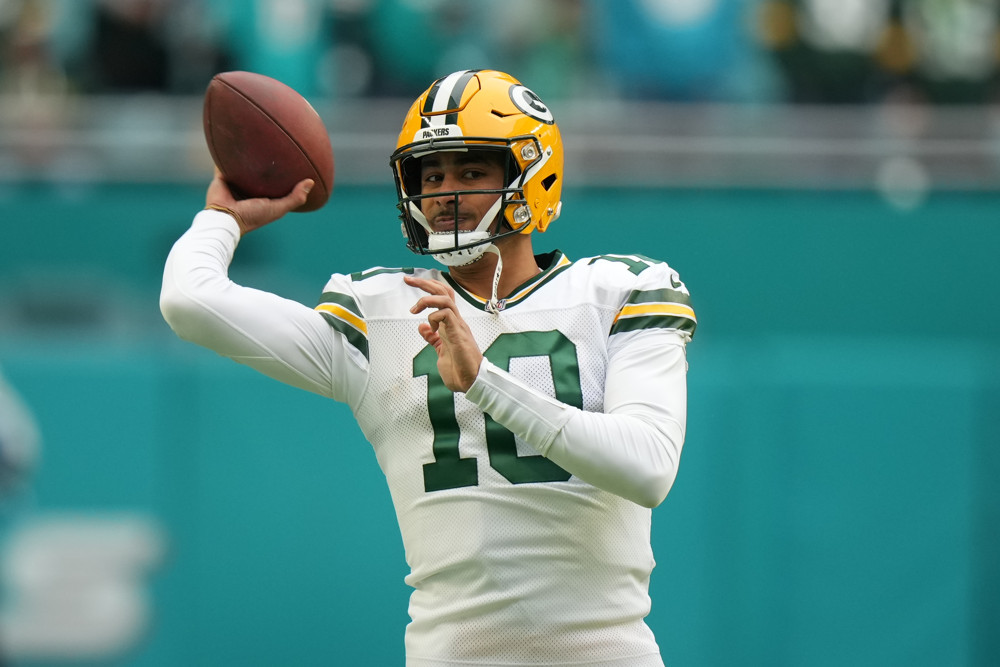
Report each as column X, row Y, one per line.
column 229, row 211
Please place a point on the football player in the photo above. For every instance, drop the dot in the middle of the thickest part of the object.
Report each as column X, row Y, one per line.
column 528, row 410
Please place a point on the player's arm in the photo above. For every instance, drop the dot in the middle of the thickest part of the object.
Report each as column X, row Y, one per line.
column 634, row 447
column 278, row 337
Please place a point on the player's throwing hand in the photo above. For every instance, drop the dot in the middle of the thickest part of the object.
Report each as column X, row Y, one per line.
column 251, row 214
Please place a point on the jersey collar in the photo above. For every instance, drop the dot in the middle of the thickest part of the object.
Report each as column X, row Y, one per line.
column 551, row 263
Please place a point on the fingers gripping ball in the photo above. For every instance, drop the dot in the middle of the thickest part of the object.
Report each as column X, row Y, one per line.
column 265, row 137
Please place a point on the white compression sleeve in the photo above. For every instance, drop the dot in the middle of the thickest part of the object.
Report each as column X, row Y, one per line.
column 278, row 337
column 633, row 449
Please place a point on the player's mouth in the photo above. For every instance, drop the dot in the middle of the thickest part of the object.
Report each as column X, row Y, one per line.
column 447, row 223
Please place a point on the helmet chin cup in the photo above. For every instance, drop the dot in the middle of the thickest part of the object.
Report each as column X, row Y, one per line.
column 438, row 244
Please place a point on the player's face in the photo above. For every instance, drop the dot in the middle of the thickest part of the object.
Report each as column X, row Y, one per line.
column 450, row 171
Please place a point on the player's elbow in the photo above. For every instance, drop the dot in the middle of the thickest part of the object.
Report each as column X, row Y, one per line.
column 654, row 489
column 631, row 456
column 178, row 312
column 655, row 477
column 171, row 307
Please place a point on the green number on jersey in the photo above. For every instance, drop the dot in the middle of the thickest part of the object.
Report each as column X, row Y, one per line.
column 449, row 470
column 363, row 275
column 634, row 266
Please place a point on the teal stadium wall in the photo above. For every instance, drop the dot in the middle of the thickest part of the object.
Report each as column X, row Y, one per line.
column 837, row 502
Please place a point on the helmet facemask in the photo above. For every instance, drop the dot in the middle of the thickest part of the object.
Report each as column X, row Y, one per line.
column 483, row 110
column 508, row 215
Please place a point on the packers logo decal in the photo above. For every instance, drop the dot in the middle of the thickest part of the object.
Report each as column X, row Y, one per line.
column 531, row 104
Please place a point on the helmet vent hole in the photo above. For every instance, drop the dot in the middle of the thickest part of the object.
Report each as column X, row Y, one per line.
column 549, row 181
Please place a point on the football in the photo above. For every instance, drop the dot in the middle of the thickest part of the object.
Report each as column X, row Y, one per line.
column 265, row 137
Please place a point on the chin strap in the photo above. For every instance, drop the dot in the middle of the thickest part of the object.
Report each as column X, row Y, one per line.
column 493, row 305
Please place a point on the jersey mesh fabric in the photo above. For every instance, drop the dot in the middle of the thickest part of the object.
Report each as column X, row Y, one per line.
column 507, row 571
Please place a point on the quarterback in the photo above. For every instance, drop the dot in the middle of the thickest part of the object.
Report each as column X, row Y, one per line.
column 528, row 410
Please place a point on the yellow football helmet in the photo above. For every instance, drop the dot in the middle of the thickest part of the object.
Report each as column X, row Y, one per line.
column 480, row 110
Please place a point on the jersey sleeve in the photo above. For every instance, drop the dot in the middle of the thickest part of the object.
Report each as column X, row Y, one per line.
column 281, row 338
column 657, row 300
column 342, row 312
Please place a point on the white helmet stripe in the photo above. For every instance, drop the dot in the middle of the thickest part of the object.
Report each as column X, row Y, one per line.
column 447, row 95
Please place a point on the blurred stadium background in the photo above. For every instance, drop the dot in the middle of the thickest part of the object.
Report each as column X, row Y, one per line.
column 823, row 173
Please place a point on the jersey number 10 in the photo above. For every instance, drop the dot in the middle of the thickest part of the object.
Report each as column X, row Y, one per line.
column 449, row 470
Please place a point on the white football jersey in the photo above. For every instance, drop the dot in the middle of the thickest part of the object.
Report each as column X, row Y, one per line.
column 513, row 559
column 510, row 555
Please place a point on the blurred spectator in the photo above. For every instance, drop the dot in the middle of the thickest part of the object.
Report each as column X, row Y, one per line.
column 865, row 51
column 284, row 39
column 948, row 50
column 545, row 45
column 689, row 50
column 27, row 64
column 348, row 68
column 827, row 49
column 421, row 40
column 822, row 51
column 196, row 44
column 137, row 46
column 127, row 51
column 36, row 92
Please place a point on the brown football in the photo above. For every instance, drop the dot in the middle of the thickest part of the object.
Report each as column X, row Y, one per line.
column 265, row 137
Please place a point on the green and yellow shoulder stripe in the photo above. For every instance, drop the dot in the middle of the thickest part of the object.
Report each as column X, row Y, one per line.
column 344, row 315
column 656, row 309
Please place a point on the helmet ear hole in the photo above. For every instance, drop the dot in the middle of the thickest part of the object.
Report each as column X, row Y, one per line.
column 549, row 181
column 513, row 169
column 410, row 167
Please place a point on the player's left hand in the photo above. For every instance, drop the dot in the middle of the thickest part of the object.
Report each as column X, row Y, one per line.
column 459, row 356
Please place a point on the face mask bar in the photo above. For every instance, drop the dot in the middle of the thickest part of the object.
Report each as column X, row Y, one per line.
column 405, row 163
column 418, row 235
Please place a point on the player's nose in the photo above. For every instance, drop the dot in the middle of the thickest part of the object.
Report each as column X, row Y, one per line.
column 450, row 182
